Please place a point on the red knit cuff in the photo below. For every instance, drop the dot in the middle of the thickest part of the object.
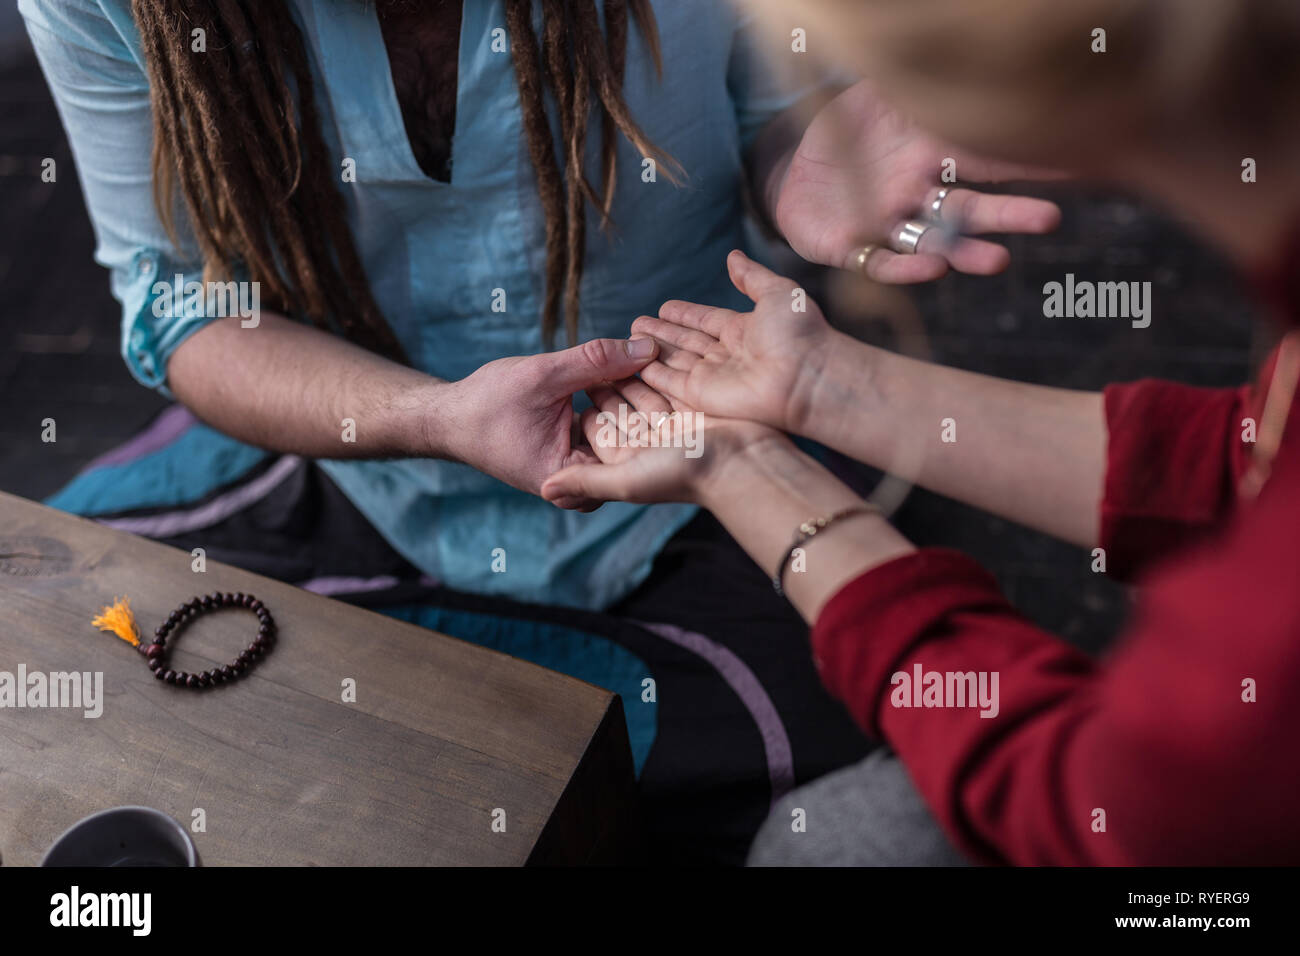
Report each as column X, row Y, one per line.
column 1173, row 453
column 872, row 622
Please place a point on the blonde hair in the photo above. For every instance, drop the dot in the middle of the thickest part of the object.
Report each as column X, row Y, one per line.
column 1021, row 78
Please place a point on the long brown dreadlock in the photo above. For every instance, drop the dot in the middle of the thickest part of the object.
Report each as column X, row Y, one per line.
column 236, row 127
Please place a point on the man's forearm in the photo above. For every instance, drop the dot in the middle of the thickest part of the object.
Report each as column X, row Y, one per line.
column 1033, row 454
column 295, row 389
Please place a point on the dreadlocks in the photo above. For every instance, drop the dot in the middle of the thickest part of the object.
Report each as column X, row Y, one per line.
column 237, row 129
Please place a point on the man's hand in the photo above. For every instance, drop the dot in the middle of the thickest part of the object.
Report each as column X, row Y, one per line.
column 647, row 449
column 514, row 417
column 762, row 365
column 862, row 170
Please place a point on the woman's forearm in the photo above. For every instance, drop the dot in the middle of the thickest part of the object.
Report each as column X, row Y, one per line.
column 292, row 388
column 762, row 494
column 1032, row 454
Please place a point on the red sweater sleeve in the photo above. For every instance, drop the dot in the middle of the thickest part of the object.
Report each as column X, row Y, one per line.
column 1158, row 738
column 1174, row 456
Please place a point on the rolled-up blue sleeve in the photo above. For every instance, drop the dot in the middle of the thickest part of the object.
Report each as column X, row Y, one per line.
column 90, row 54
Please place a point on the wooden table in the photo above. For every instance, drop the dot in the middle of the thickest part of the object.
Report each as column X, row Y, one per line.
column 441, row 735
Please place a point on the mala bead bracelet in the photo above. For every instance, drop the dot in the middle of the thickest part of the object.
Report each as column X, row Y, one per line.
column 118, row 619
column 156, row 653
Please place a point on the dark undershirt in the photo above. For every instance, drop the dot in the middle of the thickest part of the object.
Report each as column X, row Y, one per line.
column 423, row 42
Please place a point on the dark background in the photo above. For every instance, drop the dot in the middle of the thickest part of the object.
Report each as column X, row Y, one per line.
column 59, row 337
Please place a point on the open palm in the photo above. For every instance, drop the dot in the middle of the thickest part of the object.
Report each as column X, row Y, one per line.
column 862, row 169
column 760, row 365
column 645, row 450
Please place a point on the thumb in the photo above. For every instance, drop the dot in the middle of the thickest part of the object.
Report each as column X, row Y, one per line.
column 752, row 279
column 581, row 482
column 598, row 361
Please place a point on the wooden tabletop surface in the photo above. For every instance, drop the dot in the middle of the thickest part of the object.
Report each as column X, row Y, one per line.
column 443, row 736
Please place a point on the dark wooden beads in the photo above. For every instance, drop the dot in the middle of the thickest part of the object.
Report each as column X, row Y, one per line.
column 155, row 654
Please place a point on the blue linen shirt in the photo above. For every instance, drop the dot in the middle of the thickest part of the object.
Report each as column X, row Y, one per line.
column 437, row 253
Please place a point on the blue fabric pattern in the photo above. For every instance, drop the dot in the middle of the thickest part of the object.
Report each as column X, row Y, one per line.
column 187, row 470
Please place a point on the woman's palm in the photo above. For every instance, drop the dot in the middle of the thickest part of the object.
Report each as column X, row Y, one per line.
column 761, row 364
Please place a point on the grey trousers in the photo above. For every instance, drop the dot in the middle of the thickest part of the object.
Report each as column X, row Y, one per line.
column 868, row 814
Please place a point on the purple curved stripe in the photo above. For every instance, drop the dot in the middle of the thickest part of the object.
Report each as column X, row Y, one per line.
column 171, row 523
column 330, row 585
column 170, row 424
column 776, row 743
column 349, row 585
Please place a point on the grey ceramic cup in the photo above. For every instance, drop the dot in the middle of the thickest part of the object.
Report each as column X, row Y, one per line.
column 124, row 836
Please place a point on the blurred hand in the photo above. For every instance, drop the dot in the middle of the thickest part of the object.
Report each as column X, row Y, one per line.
column 648, row 449
column 862, row 170
column 514, row 417
column 761, row 365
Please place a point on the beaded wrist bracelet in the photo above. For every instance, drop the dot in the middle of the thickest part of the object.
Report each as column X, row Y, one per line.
column 808, row 530
column 119, row 620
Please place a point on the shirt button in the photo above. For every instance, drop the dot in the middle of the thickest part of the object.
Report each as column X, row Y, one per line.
column 146, row 265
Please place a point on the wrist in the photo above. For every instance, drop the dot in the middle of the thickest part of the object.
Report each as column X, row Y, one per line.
column 734, row 474
column 763, row 493
column 820, row 391
column 845, row 386
column 431, row 431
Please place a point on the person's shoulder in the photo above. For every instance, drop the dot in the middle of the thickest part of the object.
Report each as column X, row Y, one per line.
column 105, row 27
column 55, row 12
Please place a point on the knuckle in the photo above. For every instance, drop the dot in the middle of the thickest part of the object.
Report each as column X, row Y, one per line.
column 597, row 353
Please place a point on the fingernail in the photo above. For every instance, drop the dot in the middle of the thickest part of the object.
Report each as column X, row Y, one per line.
column 640, row 348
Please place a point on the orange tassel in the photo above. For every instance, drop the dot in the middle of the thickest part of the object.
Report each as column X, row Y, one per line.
column 118, row 619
